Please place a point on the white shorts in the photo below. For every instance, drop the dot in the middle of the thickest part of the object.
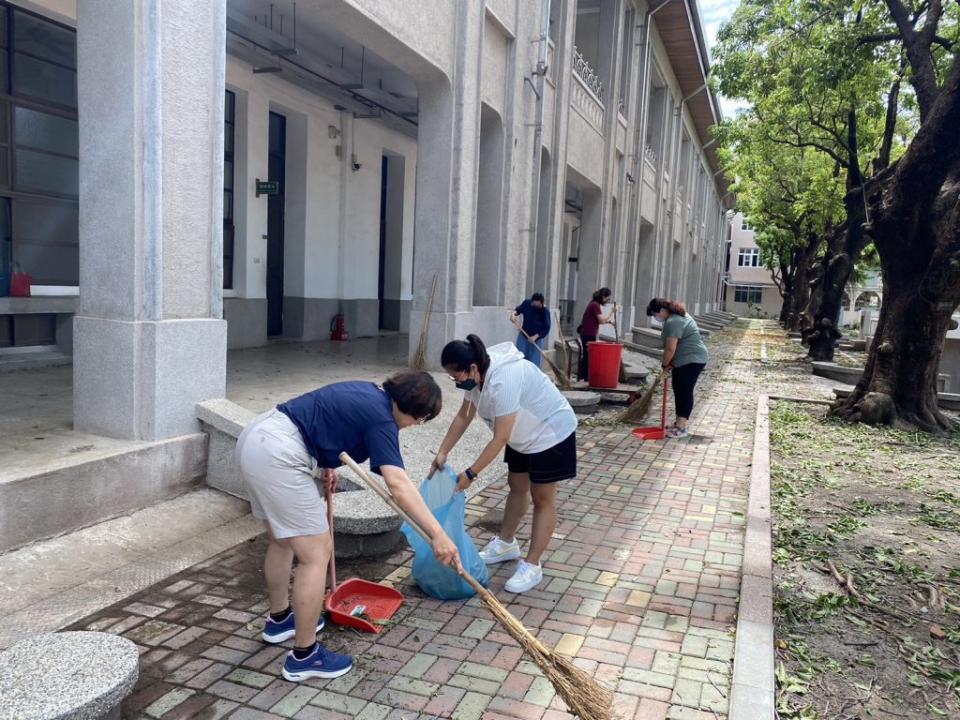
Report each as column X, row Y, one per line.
column 279, row 474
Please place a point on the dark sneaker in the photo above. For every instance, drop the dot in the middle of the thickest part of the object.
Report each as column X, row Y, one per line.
column 321, row 663
column 277, row 632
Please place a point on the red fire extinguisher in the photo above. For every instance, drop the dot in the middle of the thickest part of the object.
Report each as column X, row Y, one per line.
column 338, row 329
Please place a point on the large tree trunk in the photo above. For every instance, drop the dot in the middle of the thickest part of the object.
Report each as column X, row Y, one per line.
column 899, row 382
column 821, row 333
column 799, row 297
column 915, row 224
column 819, row 327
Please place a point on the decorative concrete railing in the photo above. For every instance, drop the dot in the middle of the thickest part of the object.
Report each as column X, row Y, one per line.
column 650, row 155
column 587, row 104
column 582, row 69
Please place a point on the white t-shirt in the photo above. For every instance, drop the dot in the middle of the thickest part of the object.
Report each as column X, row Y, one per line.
column 514, row 385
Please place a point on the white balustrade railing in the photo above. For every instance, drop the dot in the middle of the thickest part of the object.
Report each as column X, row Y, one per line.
column 582, row 69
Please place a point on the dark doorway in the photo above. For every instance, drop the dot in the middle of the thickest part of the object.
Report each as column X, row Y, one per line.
column 389, row 282
column 381, row 276
column 276, row 171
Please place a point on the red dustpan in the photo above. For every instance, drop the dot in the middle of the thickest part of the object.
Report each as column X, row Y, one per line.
column 653, row 432
column 357, row 603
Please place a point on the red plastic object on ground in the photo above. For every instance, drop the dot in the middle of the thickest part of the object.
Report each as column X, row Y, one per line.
column 653, row 432
column 358, row 603
column 603, row 370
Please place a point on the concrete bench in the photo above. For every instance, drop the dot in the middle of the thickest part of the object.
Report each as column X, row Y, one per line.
column 67, row 676
column 947, row 401
column 851, row 375
column 63, row 307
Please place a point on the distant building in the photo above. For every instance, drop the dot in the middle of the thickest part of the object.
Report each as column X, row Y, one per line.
column 749, row 289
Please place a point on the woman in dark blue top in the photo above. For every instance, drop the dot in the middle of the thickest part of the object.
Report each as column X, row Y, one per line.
column 281, row 453
column 534, row 317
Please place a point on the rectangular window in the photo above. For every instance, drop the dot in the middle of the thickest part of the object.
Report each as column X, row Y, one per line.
column 744, row 225
column 749, row 257
column 229, row 130
column 39, row 147
column 748, row 294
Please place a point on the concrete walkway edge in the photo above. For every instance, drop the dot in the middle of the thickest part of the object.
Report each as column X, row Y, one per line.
column 753, row 693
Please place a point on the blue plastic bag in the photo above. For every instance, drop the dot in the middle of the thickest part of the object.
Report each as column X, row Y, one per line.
column 448, row 507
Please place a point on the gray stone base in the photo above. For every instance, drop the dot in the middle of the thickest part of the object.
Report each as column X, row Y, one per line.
column 490, row 323
column 103, row 669
column 310, row 318
column 354, row 546
column 141, row 380
column 246, row 322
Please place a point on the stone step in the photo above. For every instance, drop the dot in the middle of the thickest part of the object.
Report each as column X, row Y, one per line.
column 53, row 583
column 31, row 358
column 73, row 487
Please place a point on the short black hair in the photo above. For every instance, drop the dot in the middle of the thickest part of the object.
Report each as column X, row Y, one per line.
column 416, row 394
column 537, row 297
column 602, row 293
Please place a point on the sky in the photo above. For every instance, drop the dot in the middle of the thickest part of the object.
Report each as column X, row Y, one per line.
column 714, row 14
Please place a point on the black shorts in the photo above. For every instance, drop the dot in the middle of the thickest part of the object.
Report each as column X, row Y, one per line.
column 551, row 465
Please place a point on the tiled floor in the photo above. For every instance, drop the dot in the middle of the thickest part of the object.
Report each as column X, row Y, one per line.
column 643, row 578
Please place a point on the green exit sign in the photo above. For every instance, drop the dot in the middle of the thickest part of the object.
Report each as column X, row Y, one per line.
column 268, row 187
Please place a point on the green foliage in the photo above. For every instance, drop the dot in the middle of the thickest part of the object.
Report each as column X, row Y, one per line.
column 807, row 71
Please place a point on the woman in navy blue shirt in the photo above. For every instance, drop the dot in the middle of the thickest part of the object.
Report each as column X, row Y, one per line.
column 535, row 319
column 279, row 455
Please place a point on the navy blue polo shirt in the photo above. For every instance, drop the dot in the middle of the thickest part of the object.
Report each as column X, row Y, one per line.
column 353, row 417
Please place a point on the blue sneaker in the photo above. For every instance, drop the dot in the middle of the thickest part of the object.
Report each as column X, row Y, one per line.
column 277, row 632
column 321, row 663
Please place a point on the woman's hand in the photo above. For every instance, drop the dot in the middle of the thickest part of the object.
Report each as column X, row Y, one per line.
column 330, row 478
column 445, row 551
column 439, row 462
column 463, row 482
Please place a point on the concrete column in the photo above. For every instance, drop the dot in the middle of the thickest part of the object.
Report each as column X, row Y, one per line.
column 566, row 12
column 448, row 146
column 149, row 339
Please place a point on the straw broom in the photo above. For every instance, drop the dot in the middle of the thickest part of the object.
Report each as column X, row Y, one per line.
column 641, row 407
column 584, row 696
column 420, row 358
column 562, row 379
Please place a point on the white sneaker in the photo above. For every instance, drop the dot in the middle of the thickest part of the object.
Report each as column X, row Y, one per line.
column 527, row 577
column 497, row 551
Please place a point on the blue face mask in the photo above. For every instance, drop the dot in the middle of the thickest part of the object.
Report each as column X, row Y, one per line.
column 468, row 384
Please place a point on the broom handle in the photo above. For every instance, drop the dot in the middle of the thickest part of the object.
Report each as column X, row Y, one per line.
column 388, row 499
column 616, row 326
column 332, row 566
column 663, row 412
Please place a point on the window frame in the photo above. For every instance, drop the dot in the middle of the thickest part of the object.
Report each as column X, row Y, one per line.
column 750, row 255
column 744, row 293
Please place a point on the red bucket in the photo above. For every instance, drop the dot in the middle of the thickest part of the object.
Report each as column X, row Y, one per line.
column 604, row 367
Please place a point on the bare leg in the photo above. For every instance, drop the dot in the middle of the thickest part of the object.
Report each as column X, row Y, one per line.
column 309, row 584
column 544, row 519
column 681, row 422
column 517, row 503
column 277, row 565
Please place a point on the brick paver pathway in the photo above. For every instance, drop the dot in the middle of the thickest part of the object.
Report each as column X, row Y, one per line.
column 643, row 579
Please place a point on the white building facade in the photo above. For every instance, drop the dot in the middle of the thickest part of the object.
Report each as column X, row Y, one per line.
column 251, row 169
column 749, row 290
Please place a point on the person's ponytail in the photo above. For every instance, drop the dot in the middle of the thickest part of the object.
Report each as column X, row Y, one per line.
column 480, row 353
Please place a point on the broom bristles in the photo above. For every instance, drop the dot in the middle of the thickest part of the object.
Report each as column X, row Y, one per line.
column 641, row 407
column 584, row 696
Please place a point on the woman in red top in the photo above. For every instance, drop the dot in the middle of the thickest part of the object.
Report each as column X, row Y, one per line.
column 589, row 329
